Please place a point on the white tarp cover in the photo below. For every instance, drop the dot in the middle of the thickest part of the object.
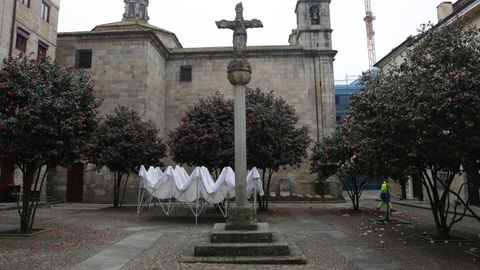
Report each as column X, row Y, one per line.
column 177, row 183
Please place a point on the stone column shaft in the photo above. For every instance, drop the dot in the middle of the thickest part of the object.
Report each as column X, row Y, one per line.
column 240, row 146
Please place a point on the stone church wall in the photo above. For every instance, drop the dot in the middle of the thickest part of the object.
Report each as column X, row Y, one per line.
column 119, row 67
column 155, row 83
column 126, row 72
column 291, row 76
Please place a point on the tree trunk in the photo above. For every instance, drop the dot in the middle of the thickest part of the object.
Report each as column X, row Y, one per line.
column 270, row 173
column 116, row 189
column 25, row 215
column 124, row 190
column 443, row 232
column 438, row 203
column 259, row 200
column 356, row 203
column 37, row 199
column 263, row 201
column 356, row 195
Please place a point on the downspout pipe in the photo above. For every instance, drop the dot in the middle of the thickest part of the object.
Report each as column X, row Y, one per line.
column 316, row 97
column 12, row 34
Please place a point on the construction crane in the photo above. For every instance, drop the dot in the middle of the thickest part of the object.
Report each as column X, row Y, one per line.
column 369, row 18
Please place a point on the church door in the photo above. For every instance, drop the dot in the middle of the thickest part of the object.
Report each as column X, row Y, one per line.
column 75, row 183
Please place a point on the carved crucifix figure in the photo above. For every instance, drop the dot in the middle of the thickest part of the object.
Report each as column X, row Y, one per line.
column 239, row 27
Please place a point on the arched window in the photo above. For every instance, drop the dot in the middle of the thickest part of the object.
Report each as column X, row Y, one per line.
column 131, row 10
column 142, row 12
column 315, row 15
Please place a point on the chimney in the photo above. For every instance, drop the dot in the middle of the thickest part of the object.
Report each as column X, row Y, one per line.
column 444, row 10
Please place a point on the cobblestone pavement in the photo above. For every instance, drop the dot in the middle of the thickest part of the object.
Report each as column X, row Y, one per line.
column 73, row 236
column 330, row 235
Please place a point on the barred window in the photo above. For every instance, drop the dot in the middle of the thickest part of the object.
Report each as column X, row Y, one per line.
column 83, row 59
column 186, row 73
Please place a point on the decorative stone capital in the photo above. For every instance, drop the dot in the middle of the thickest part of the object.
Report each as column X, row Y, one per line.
column 239, row 72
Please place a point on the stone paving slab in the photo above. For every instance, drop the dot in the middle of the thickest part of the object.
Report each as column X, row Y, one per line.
column 119, row 254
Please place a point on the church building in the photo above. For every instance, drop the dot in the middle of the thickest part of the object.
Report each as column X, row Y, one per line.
column 144, row 67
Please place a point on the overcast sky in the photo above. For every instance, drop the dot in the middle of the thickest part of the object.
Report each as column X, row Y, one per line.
column 193, row 23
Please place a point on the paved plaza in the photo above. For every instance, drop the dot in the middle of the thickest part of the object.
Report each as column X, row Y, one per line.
column 87, row 237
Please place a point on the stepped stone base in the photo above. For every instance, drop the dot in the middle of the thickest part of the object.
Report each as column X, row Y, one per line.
column 263, row 234
column 261, row 246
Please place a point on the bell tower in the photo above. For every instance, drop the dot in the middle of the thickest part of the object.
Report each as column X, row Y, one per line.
column 136, row 10
column 313, row 25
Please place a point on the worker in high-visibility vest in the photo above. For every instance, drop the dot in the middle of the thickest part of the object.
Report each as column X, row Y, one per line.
column 385, row 196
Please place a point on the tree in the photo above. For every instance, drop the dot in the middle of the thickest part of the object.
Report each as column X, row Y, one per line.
column 122, row 143
column 205, row 135
column 47, row 114
column 274, row 139
column 337, row 155
column 421, row 117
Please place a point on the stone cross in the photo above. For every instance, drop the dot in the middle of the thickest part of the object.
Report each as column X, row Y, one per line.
column 239, row 27
column 240, row 217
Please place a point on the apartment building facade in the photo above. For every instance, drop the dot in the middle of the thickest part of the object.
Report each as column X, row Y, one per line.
column 28, row 27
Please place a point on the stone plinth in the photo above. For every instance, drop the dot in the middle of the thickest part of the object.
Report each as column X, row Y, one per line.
column 263, row 234
column 241, row 218
column 261, row 246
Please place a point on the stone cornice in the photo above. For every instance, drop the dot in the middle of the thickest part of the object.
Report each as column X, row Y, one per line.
column 252, row 52
column 194, row 53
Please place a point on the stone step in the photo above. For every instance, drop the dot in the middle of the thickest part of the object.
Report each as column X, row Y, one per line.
column 254, row 250
column 262, row 235
column 279, row 247
column 280, row 260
